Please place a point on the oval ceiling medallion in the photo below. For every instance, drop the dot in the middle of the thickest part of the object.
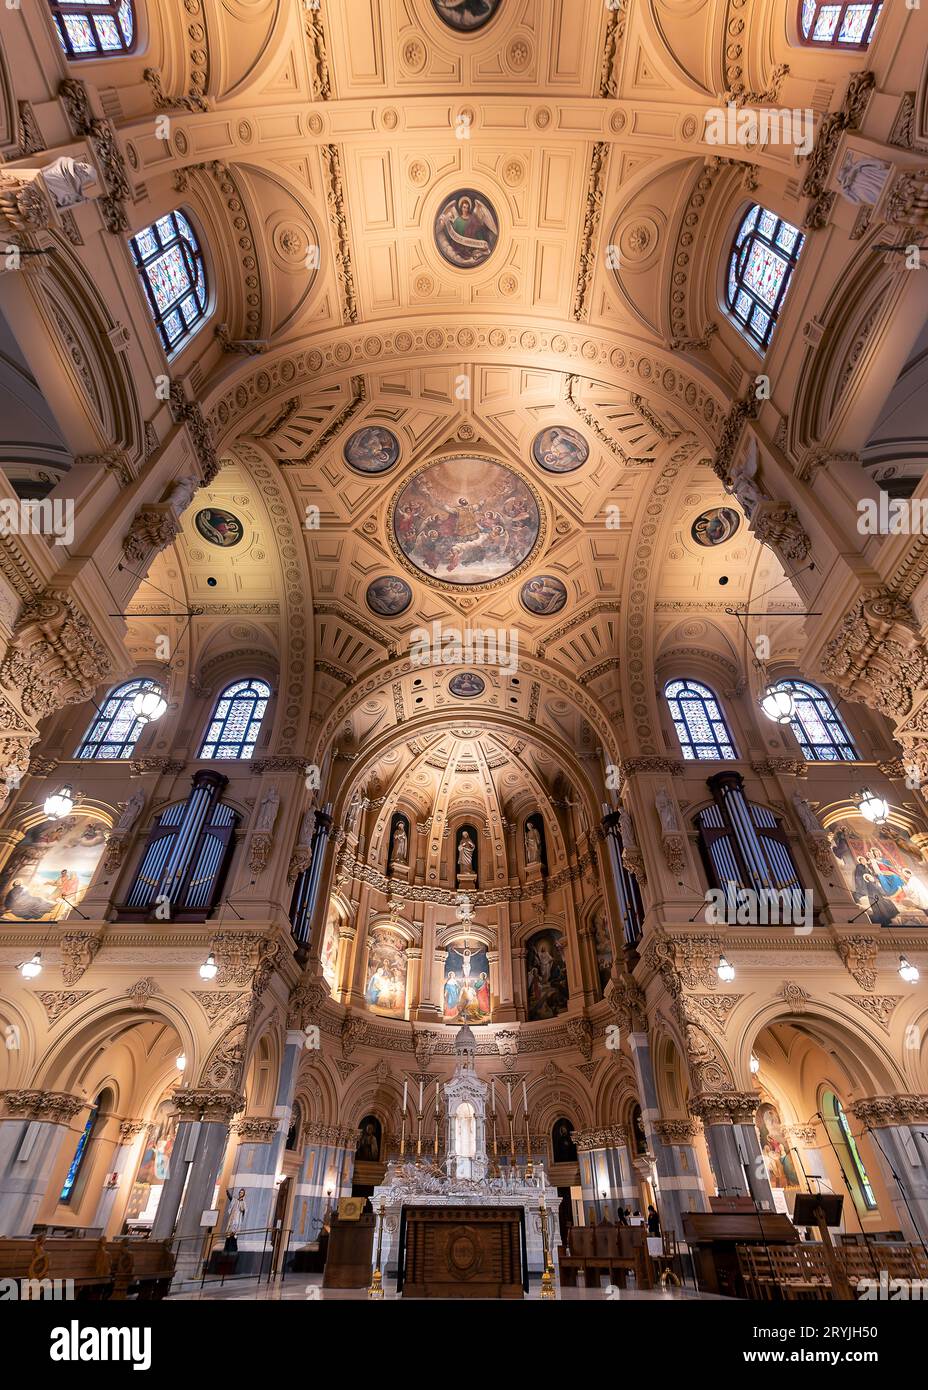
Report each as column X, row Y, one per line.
column 219, row 527
column 716, row 526
column 388, row 596
column 559, row 449
column 543, row 595
column 373, row 449
column 466, row 521
column 465, row 15
column 466, row 685
column 466, row 229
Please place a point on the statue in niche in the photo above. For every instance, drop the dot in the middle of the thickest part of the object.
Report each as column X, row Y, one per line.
column 130, row 812
column 466, row 848
column 743, row 484
column 808, row 819
column 181, row 495
column 667, row 812
column 532, row 843
column 267, row 812
column 400, row 853
column 66, row 179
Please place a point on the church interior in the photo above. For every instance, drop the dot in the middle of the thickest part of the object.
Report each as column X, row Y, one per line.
column 503, row 873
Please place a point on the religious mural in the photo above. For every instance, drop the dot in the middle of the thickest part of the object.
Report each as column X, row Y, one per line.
column 604, row 953
column 373, row 449
column 154, row 1166
column 466, row 986
column 563, row 1148
column 466, row 15
column 715, row 526
column 386, row 974
column 466, row 684
column 543, row 595
column 370, row 1140
column 546, row 975
column 388, row 596
column 774, row 1145
column 884, row 871
column 330, row 950
column 50, row 869
column 219, row 527
column 466, row 229
column 559, row 449
column 466, row 520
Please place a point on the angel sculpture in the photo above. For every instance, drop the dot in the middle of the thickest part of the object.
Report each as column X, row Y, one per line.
column 466, row 231
column 744, row 484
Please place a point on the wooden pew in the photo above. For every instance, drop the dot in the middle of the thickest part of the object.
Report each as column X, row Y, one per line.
column 606, row 1249
column 99, row 1269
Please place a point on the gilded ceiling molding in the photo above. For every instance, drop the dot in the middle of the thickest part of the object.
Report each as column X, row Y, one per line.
column 357, row 398
column 589, row 235
column 338, row 221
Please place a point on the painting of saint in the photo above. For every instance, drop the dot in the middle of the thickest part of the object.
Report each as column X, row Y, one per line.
column 370, row 1140
column 543, row 595
column 466, row 684
column 563, row 1148
column 466, row 520
column 50, row 869
column 715, row 526
column 219, row 527
column 373, row 449
column 330, row 950
column 560, row 449
column 546, row 975
column 603, row 943
column 389, row 596
column 386, row 974
column 466, row 986
column 884, row 871
column 466, row 15
column 774, row 1146
column 155, row 1165
column 466, row 229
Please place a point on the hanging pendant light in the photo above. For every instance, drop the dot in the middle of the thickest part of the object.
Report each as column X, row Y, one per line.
column 31, row 968
column 778, row 704
column 725, row 970
column 60, row 803
column 908, row 971
column 209, row 969
column 149, row 705
column 872, row 807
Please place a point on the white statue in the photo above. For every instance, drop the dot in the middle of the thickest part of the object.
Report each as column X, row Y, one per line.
column 743, row 485
column 130, row 811
column 181, row 495
column 667, row 812
column 400, row 843
column 807, row 816
column 465, row 854
column 862, row 179
column 307, row 826
column 235, row 1220
column 627, row 830
column 267, row 812
column 66, row 179
column 532, row 844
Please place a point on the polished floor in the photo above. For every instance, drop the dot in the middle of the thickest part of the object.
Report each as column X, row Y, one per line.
column 309, row 1286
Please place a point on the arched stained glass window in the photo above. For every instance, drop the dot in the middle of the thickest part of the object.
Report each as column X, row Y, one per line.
column 169, row 261
column 116, row 727
column 760, row 267
column 236, row 722
column 83, row 1143
column 820, row 731
column 837, row 25
column 848, row 1153
column 94, row 28
column 699, row 722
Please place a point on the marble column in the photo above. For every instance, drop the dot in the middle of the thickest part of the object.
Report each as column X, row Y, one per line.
column 128, row 1131
column 605, row 1168
column 327, row 1174
column 33, row 1127
column 675, row 1171
column 196, row 1162
column 898, row 1129
column 734, row 1148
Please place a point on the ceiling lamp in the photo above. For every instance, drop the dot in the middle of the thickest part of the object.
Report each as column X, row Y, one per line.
column 755, row 1064
column 209, row 968
column 908, row 971
column 726, row 971
column 30, row 968
column 149, row 705
column 778, row 704
column 60, row 803
column 874, row 808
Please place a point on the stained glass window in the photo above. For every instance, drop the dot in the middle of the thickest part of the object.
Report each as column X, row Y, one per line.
column 848, row 1152
column 116, row 727
column 168, row 258
column 94, row 28
column 699, row 722
column 80, row 1153
column 763, row 258
column 820, row 731
column 837, row 25
column 236, row 722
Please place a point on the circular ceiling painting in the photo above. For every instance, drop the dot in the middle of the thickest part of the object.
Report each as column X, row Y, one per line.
column 560, row 449
column 389, row 596
column 466, row 15
column 219, row 527
column 467, row 684
column 543, row 595
column 715, row 526
column 466, row 229
column 466, row 520
column 372, row 450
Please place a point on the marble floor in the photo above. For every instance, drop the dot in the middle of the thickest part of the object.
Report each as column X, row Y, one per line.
column 309, row 1287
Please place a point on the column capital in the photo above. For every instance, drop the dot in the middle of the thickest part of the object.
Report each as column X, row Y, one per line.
column 54, row 1107
column 610, row 1137
column 725, row 1107
column 197, row 1103
column 336, row 1136
column 129, row 1130
column 677, row 1131
column 805, row 1134
column 883, row 1111
column 256, row 1129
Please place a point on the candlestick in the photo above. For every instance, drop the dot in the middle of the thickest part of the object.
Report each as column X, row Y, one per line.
column 524, row 1097
column 376, row 1287
column 547, row 1279
column 420, row 1095
column 403, row 1125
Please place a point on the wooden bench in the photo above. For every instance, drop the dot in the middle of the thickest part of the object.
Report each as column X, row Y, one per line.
column 612, row 1250
column 99, row 1269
